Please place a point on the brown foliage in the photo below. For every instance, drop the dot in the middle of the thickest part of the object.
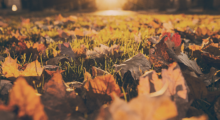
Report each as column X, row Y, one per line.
column 172, row 76
column 142, row 107
column 10, row 68
column 55, row 85
column 102, row 85
column 25, row 97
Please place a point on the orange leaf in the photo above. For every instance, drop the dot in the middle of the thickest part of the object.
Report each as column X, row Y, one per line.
column 78, row 32
column 103, row 85
column 10, row 68
column 40, row 47
column 25, row 22
column 195, row 47
column 2, row 24
column 18, row 36
column 33, row 69
column 55, row 85
column 173, row 76
column 142, row 107
column 24, row 96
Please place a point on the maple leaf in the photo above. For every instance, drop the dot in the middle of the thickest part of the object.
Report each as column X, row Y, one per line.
column 66, row 49
column 137, row 65
column 172, row 84
column 33, row 69
column 145, row 87
column 25, row 97
column 102, row 85
column 177, row 83
column 10, row 68
column 55, row 85
column 137, row 109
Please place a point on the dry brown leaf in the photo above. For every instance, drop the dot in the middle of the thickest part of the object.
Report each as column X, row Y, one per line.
column 55, row 85
column 177, row 83
column 25, row 97
column 172, row 76
column 103, row 85
column 197, row 87
column 144, row 82
column 156, row 108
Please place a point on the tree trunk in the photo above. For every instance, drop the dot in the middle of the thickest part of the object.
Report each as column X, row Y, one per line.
column 208, row 4
column 182, row 5
column 162, row 4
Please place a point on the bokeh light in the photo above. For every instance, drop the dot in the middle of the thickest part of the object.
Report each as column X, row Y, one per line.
column 110, row 4
column 14, row 8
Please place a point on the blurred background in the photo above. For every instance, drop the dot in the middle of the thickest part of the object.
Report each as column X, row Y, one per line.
column 90, row 5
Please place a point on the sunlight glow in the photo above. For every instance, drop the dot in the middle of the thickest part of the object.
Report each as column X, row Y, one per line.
column 14, row 8
column 114, row 13
column 110, row 4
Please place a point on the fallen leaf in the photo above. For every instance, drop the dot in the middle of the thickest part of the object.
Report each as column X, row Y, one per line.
column 55, row 85
column 197, row 87
column 5, row 86
column 67, row 50
column 137, row 109
column 10, row 68
column 137, row 65
column 24, row 96
column 32, row 69
column 103, row 85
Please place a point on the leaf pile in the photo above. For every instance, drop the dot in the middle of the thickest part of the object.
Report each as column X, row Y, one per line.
column 86, row 67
